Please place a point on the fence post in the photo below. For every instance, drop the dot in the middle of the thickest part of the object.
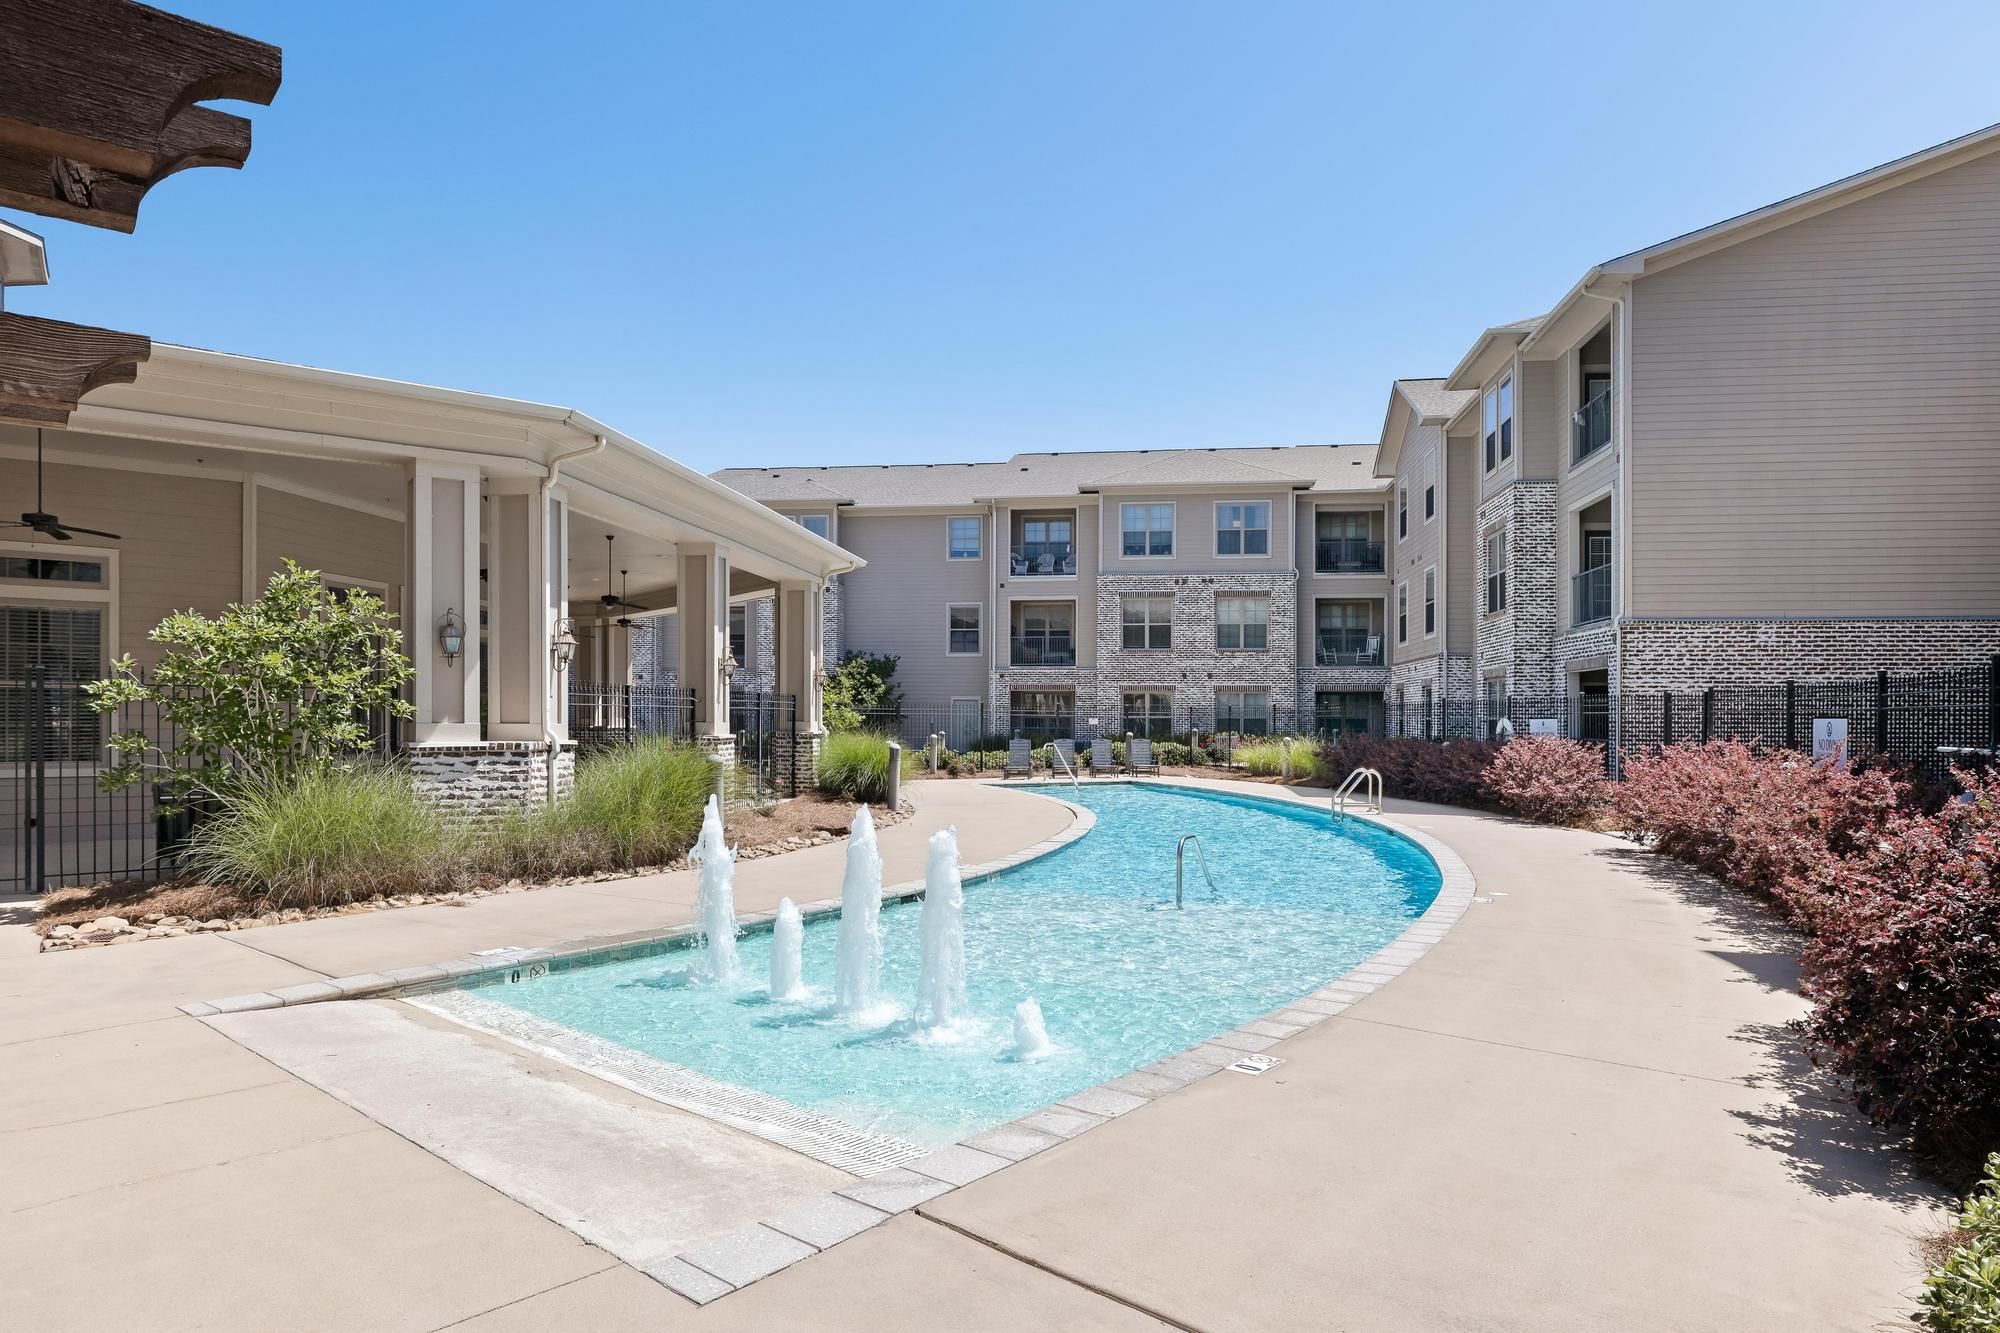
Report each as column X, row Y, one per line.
column 893, row 797
column 38, row 796
column 1708, row 715
column 1666, row 717
column 1881, row 712
column 1791, row 715
column 627, row 687
column 793, row 748
column 1993, row 703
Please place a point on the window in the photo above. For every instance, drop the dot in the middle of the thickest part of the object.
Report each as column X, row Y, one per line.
column 1496, row 703
column 1149, row 713
column 1402, row 512
column 739, row 634
column 1242, row 624
column 1345, row 712
column 50, row 571
column 1498, row 415
column 1402, row 712
column 1148, row 621
column 1344, row 636
column 1041, row 715
column 67, row 643
column 962, row 538
column 962, row 629
column 1496, row 572
column 1430, row 503
column 1426, row 733
column 819, row 525
column 1402, row 613
column 1045, row 545
column 1243, row 529
column 1043, row 634
column 1246, row 712
column 1148, row 529
column 1430, row 601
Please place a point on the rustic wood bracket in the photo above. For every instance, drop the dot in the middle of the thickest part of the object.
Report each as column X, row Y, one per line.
column 97, row 104
column 47, row 365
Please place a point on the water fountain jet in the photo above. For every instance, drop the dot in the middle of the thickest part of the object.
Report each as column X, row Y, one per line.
column 857, row 961
column 715, row 898
column 941, row 975
column 1031, row 1035
column 788, row 939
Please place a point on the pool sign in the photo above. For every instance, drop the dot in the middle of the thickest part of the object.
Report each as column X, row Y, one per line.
column 1544, row 726
column 1829, row 737
column 1256, row 1064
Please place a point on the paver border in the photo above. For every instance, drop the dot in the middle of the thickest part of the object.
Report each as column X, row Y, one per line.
column 728, row 1263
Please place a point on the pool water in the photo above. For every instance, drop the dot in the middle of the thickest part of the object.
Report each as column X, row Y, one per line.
column 1089, row 932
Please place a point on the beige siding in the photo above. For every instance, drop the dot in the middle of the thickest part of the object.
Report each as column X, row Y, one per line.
column 333, row 539
column 1541, row 419
column 1419, row 466
column 181, row 544
column 1816, row 414
column 897, row 604
column 1194, row 534
column 1461, row 504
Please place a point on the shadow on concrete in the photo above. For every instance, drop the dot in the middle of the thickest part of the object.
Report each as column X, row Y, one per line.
column 19, row 909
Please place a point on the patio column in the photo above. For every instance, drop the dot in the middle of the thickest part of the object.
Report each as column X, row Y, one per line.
column 798, row 651
column 701, row 602
column 443, row 535
column 527, row 557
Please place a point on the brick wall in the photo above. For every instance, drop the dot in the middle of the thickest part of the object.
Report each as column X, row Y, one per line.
column 490, row 777
column 1519, row 643
column 1194, row 668
column 1696, row 654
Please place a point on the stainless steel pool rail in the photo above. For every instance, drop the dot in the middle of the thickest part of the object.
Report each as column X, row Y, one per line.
column 1180, row 866
column 1364, row 788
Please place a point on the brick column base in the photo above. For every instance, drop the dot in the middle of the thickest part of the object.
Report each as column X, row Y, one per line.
column 490, row 777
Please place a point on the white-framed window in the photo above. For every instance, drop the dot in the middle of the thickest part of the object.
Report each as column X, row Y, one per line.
column 1430, row 502
column 1402, row 511
column 58, row 615
column 1497, row 412
column 1496, row 571
column 1428, row 709
column 1146, row 530
column 1402, row 613
column 819, row 525
column 1242, row 624
column 739, row 633
column 1246, row 712
column 962, row 538
column 1495, row 703
column 1147, row 621
column 962, row 624
column 1243, row 527
column 1149, row 713
column 1430, row 601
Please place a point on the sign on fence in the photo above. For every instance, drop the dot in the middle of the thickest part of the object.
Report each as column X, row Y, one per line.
column 1544, row 726
column 1829, row 737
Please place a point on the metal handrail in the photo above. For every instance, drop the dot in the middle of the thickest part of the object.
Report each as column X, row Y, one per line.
column 1368, row 781
column 1057, row 760
column 1180, row 866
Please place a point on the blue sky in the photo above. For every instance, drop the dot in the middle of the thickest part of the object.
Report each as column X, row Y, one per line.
column 815, row 233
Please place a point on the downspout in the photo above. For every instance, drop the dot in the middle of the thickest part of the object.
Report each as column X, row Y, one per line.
column 549, row 738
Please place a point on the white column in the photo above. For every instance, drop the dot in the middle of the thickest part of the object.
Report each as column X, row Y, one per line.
column 527, row 559
column 797, row 624
column 443, row 537
column 701, row 602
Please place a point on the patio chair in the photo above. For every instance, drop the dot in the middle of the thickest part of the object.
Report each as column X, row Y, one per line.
column 1045, row 564
column 1139, row 756
column 1020, row 565
column 1067, row 749
column 1020, row 759
column 1371, row 651
column 1100, row 757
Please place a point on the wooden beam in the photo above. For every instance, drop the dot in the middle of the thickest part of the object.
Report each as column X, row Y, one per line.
column 97, row 103
column 47, row 365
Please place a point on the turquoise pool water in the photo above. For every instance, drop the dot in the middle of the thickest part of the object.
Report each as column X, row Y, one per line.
column 1121, row 980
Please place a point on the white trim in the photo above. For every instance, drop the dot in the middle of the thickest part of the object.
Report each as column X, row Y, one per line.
column 979, row 529
column 1173, row 532
column 1400, row 610
column 105, row 594
column 1215, row 613
column 980, row 628
column 1215, row 529
column 1431, row 617
column 800, row 519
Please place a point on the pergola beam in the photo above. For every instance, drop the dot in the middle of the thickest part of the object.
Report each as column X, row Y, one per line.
column 46, row 365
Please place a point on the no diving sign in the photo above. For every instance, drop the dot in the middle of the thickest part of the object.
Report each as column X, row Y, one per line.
column 1255, row 1064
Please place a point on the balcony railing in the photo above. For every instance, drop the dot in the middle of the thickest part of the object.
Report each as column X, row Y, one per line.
column 1592, row 592
column 1347, row 555
column 1042, row 650
column 1033, row 559
column 1590, row 426
column 1348, row 647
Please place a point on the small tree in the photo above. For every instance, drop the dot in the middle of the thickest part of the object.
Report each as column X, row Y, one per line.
column 863, row 685
column 266, row 686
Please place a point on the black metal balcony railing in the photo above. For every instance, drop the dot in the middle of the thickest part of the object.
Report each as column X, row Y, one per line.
column 1042, row 650
column 1347, row 555
column 1592, row 592
column 1348, row 647
column 1590, row 425
column 1043, row 558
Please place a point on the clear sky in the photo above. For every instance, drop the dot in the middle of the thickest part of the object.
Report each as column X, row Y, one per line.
column 754, row 232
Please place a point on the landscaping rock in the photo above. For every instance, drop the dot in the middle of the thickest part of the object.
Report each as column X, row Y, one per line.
column 62, row 933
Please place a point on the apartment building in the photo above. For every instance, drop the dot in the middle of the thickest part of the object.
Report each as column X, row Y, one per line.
column 1151, row 591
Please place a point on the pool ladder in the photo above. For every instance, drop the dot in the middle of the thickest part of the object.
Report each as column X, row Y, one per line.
column 1180, row 866
column 1056, row 761
column 1364, row 788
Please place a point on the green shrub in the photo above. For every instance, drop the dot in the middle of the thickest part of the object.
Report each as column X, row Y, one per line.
column 632, row 805
column 861, row 691
column 327, row 835
column 854, row 765
column 1962, row 1294
column 1174, row 754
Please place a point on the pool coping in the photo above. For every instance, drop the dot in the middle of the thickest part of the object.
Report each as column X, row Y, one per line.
column 732, row 1261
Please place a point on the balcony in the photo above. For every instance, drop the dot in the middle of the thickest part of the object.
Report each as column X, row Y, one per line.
column 1046, row 650
column 1347, row 555
column 1347, row 647
column 1590, row 426
column 1591, row 593
column 1042, row 559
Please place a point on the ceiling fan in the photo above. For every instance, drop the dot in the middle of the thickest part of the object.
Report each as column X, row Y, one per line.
column 615, row 601
column 48, row 525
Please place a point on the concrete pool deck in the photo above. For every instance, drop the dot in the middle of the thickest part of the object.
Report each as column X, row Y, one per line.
column 1578, row 1111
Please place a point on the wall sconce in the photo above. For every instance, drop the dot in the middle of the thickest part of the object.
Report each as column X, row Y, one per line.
column 451, row 635
column 563, row 647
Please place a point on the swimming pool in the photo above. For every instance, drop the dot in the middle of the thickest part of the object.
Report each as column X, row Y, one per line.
column 1089, row 932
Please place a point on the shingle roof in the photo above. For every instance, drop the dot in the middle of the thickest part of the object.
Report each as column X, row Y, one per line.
column 1432, row 399
column 1320, row 467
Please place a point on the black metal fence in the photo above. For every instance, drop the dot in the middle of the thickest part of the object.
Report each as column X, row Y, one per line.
column 606, row 714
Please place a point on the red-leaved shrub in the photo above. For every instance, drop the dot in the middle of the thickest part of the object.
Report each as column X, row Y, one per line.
column 1550, row 780
column 1903, row 969
column 1768, row 824
column 1441, row 772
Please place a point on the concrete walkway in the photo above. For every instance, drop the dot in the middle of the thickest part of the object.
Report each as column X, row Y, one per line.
column 1579, row 1112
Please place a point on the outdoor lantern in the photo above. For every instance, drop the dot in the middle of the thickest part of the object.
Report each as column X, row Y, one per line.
column 563, row 646
column 451, row 635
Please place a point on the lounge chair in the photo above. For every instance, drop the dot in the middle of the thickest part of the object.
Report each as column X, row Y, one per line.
column 1067, row 749
column 1139, row 756
column 1100, row 757
column 1020, row 759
